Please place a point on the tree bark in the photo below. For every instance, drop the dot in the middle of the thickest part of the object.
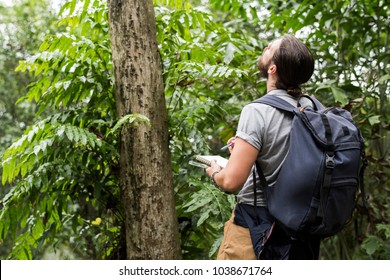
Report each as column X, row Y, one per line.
column 145, row 166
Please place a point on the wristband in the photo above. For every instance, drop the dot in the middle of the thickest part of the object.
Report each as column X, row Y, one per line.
column 212, row 178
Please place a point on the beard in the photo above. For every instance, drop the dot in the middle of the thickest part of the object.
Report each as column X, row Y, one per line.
column 263, row 68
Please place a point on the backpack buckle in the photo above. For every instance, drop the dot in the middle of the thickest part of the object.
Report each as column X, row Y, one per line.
column 301, row 109
column 329, row 161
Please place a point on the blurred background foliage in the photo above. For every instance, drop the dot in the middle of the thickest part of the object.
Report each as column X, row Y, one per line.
column 59, row 130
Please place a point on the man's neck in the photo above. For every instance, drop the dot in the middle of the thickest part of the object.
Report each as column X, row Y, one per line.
column 271, row 85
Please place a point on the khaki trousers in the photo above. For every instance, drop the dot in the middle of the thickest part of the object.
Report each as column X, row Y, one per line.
column 236, row 243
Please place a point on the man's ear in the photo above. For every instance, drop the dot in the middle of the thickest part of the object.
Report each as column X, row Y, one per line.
column 272, row 69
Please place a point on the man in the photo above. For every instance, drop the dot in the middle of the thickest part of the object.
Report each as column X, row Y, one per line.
column 263, row 136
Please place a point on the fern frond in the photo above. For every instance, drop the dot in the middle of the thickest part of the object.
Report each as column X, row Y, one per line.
column 133, row 119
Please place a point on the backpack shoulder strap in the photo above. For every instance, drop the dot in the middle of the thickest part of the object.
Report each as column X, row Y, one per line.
column 281, row 104
column 317, row 104
column 275, row 102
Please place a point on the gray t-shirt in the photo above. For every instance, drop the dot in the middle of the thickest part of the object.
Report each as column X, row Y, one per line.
column 267, row 129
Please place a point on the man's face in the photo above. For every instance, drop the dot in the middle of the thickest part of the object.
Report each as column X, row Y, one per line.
column 265, row 60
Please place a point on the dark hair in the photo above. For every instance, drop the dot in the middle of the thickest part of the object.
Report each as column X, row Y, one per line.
column 295, row 64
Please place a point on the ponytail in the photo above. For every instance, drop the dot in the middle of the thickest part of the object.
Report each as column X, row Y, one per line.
column 294, row 91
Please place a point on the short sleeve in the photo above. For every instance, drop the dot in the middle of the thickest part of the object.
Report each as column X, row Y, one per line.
column 251, row 125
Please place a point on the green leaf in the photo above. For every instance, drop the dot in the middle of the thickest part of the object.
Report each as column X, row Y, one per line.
column 129, row 119
column 339, row 95
column 374, row 120
column 6, row 171
column 384, row 79
column 198, row 203
column 60, row 131
column 203, row 218
column 69, row 133
column 76, row 134
column 231, row 49
column 214, row 248
column 83, row 138
column 371, row 245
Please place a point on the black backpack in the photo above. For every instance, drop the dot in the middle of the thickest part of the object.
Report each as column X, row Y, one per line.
column 315, row 192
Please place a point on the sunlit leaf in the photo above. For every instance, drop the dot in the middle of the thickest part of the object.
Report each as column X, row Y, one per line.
column 374, row 120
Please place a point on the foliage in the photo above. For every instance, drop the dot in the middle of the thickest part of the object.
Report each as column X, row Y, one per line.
column 20, row 33
column 64, row 168
column 22, row 25
column 68, row 160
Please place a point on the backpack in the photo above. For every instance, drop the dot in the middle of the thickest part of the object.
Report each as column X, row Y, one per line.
column 315, row 192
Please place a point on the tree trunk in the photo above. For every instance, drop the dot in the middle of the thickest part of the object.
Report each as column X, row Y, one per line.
column 145, row 167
